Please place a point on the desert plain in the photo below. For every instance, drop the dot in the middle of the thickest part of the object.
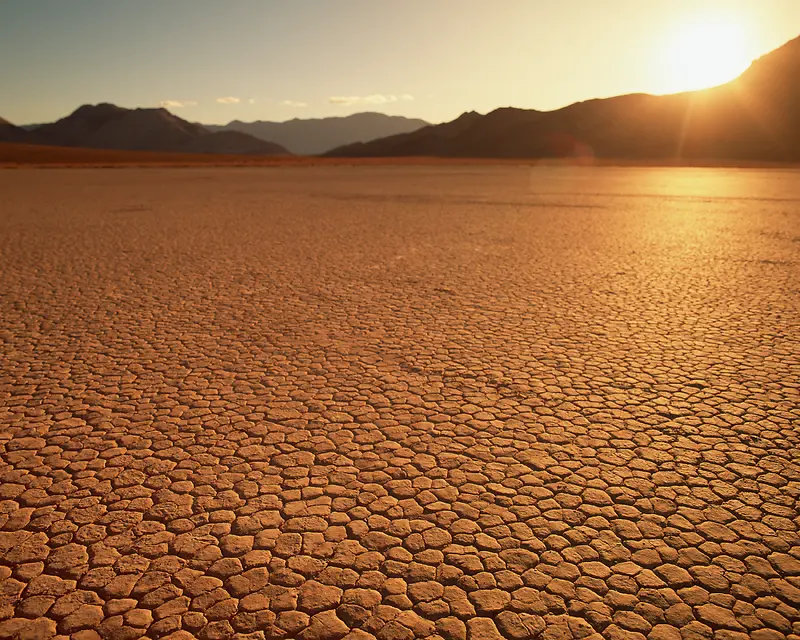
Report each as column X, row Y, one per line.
column 399, row 402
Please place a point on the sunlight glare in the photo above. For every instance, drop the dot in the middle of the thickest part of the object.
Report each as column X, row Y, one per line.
column 706, row 53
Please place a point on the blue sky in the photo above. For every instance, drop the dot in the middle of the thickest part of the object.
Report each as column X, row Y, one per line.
column 212, row 61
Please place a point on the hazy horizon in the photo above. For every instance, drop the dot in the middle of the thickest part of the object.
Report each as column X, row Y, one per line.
column 250, row 60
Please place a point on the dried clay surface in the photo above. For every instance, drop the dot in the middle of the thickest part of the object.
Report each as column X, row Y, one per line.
column 400, row 402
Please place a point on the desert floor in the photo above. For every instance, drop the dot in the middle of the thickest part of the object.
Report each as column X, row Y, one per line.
column 400, row 402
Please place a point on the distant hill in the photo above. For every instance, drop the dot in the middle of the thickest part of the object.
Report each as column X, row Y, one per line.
column 12, row 133
column 107, row 126
column 318, row 135
column 753, row 118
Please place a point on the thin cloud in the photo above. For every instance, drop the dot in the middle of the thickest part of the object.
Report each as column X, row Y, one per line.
column 251, row 101
column 229, row 100
column 375, row 98
column 177, row 104
column 294, row 103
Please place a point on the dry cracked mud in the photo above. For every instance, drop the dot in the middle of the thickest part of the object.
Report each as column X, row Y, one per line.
column 400, row 402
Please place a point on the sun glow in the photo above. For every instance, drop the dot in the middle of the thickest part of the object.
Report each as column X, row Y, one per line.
column 705, row 54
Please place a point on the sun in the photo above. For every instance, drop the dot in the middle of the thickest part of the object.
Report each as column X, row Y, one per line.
column 704, row 54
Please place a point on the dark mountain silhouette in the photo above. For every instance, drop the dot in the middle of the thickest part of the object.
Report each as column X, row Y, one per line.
column 12, row 133
column 106, row 126
column 753, row 118
column 318, row 135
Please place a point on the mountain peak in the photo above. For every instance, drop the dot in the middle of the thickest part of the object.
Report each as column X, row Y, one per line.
column 107, row 126
column 98, row 110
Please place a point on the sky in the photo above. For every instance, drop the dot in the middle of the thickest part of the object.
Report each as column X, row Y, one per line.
column 214, row 61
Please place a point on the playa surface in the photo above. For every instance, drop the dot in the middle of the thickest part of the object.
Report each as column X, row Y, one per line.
column 400, row 402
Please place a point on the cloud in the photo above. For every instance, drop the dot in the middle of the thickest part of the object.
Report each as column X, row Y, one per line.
column 251, row 101
column 177, row 104
column 229, row 100
column 293, row 103
column 375, row 98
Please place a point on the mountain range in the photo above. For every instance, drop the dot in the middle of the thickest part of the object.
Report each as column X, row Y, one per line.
column 756, row 117
column 107, row 126
column 315, row 136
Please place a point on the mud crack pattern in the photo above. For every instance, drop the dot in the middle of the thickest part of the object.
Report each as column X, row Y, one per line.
column 398, row 403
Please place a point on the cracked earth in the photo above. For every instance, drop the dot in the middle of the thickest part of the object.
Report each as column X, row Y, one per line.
column 400, row 402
